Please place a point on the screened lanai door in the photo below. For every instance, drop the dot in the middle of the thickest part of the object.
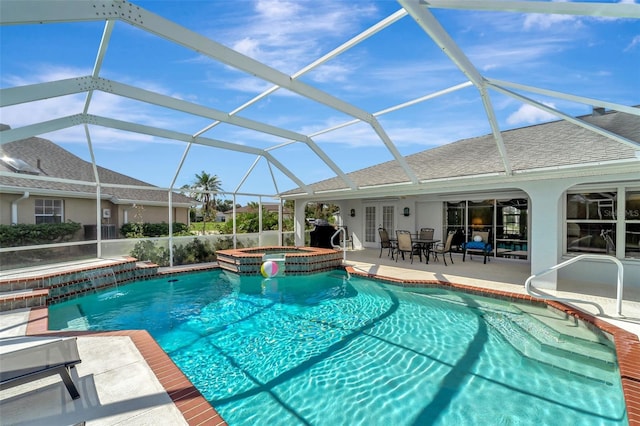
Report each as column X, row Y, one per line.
column 376, row 216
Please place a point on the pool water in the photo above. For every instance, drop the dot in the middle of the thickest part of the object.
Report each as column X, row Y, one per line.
column 327, row 350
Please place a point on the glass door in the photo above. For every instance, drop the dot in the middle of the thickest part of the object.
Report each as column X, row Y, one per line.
column 454, row 221
column 370, row 226
column 511, row 228
column 376, row 216
column 480, row 217
column 389, row 220
column 505, row 220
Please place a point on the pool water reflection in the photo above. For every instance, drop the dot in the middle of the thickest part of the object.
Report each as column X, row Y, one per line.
column 324, row 349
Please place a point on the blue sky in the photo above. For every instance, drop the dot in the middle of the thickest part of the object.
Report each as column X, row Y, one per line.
column 585, row 56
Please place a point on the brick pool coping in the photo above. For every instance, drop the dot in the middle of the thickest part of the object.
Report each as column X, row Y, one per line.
column 197, row 410
column 297, row 260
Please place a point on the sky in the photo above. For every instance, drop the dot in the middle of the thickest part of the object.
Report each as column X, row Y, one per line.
column 584, row 56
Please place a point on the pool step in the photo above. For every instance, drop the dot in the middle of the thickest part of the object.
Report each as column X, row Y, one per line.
column 541, row 334
column 26, row 298
column 542, row 343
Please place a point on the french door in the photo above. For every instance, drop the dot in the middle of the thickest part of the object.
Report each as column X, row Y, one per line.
column 376, row 216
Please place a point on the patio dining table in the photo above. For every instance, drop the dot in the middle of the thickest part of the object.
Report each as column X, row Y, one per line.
column 425, row 244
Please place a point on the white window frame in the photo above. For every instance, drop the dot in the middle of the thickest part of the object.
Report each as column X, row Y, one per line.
column 49, row 207
column 619, row 222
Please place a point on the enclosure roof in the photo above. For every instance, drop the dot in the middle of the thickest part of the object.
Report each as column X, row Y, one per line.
column 556, row 147
column 293, row 146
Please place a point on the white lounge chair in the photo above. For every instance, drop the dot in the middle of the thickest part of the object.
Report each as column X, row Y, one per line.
column 25, row 358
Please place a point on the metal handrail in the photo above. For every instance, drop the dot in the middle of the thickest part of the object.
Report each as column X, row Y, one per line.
column 344, row 242
column 527, row 283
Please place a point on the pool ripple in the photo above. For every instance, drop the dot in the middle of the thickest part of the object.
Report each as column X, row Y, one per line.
column 361, row 352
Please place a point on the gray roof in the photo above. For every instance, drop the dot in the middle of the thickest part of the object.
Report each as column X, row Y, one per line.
column 554, row 144
column 53, row 161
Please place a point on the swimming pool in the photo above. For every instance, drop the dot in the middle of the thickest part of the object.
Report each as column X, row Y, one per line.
column 322, row 349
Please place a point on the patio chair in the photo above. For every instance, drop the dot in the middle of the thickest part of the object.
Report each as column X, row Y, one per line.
column 406, row 245
column 443, row 249
column 426, row 234
column 386, row 243
column 479, row 244
column 24, row 359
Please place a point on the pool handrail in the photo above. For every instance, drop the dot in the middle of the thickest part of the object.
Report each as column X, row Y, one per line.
column 528, row 288
column 344, row 242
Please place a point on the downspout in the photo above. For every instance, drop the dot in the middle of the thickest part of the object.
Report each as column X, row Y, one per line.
column 125, row 213
column 14, row 207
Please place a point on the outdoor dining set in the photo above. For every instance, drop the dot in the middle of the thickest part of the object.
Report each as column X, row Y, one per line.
column 423, row 243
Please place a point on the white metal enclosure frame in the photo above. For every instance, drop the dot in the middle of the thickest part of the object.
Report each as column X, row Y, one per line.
column 25, row 12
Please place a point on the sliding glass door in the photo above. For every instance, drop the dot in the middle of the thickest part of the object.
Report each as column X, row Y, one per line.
column 505, row 220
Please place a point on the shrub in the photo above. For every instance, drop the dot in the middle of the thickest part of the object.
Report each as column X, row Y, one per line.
column 148, row 251
column 43, row 233
column 195, row 251
column 137, row 230
column 226, row 243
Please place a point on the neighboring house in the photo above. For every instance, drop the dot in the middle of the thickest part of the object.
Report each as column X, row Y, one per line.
column 59, row 189
column 570, row 190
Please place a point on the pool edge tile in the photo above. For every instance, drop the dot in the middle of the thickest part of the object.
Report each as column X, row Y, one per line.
column 177, row 386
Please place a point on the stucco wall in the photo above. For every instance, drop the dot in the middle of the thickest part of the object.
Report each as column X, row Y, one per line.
column 83, row 211
column 153, row 214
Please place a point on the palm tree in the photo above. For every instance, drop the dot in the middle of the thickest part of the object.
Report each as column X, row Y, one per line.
column 202, row 188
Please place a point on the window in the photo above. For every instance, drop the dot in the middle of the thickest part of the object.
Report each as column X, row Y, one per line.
column 632, row 224
column 591, row 222
column 48, row 211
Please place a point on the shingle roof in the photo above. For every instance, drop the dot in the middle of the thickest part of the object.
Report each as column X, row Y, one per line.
column 54, row 161
column 554, row 144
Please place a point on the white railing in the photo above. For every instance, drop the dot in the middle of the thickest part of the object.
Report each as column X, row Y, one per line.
column 344, row 242
column 527, row 283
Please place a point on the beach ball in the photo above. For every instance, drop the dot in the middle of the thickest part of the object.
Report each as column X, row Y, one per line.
column 269, row 269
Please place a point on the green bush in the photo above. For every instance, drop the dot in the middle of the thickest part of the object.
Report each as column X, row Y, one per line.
column 195, row 251
column 43, row 233
column 226, row 243
column 138, row 230
column 150, row 252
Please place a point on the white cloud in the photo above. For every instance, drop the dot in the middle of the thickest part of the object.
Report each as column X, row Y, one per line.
column 528, row 114
column 53, row 73
column 547, row 21
column 289, row 35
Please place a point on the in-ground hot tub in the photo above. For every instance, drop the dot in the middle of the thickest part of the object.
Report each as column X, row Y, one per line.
column 297, row 260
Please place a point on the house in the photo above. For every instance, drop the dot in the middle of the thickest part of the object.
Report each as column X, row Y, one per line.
column 572, row 188
column 59, row 187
